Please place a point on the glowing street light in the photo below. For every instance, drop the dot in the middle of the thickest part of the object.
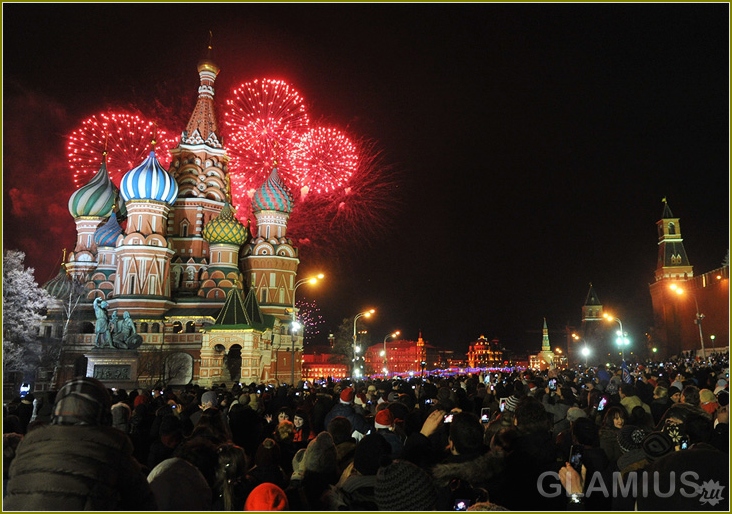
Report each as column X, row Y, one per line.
column 383, row 352
column 699, row 316
column 294, row 324
column 356, row 349
column 622, row 341
column 586, row 353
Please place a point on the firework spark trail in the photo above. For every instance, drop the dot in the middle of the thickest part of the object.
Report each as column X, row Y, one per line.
column 127, row 139
column 265, row 120
column 309, row 315
column 326, row 159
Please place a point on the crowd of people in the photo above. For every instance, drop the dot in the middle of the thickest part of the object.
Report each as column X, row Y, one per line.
column 649, row 436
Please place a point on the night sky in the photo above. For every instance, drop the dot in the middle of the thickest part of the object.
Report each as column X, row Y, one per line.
column 532, row 143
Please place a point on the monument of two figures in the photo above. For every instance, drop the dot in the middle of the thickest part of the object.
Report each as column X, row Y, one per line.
column 112, row 332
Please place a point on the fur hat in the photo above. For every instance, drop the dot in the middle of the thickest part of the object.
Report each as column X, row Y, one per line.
column 320, row 455
column 511, row 403
column 266, row 496
column 369, row 452
column 575, row 413
column 384, row 419
column 347, row 395
column 210, row 397
column 83, row 401
column 402, row 485
column 630, row 437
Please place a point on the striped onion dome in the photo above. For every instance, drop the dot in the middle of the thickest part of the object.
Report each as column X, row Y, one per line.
column 273, row 195
column 107, row 233
column 225, row 228
column 97, row 198
column 59, row 286
column 149, row 181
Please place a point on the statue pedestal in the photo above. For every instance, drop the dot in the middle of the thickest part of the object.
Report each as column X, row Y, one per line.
column 112, row 367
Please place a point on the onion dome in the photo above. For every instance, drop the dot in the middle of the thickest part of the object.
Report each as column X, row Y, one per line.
column 149, row 181
column 225, row 228
column 97, row 198
column 273, row 195
column 59, row 286
column 107, row 233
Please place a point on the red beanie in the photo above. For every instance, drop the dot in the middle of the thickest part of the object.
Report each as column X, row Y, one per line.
column 347, row 395
column 266, row 496
column 384, row 419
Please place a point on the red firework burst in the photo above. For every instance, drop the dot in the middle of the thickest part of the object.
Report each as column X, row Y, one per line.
column 324, row 224
column 127, row 139
column 265, row 120
column 326, row 159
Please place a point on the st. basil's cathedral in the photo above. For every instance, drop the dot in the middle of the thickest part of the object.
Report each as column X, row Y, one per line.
column 209, row 299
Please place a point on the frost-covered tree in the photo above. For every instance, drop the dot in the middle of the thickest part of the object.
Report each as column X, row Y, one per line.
column 24, row 306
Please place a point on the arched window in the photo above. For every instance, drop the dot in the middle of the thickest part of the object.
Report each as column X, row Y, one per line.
column 190, row 327
column 177, row 327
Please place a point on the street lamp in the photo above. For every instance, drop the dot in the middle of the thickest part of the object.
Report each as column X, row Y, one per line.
column 367, row 314
column 622, row 340
column 699, row 316
column 383, row 352
column 586, row 353
column 713, row 337
column 294, row 323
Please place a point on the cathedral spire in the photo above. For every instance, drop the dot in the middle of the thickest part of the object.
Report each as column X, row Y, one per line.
column 202, row 127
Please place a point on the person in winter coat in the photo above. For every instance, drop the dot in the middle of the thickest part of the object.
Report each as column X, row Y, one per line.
column 345, row 408
column 79, row 461
column 465, row 473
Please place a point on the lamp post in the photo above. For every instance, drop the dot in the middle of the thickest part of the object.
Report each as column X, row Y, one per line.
column 383, row 352
column 713, row 337
column 698, row 318
column 586, row 353
column 622, row 341
column 355, row 348
column 294, row 325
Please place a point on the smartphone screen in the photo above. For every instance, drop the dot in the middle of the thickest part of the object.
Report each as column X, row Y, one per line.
column 603, row 402
column 575, row 457
column 485, row 414
column 502, row 404
column 448, row 418
column 553, row 384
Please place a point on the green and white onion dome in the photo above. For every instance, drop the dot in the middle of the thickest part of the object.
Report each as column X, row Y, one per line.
column 97, row 198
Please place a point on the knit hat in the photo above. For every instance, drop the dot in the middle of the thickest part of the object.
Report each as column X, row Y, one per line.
column 511, row 403
column 372, row 388
column 267, row 454
column 83, row 401
column 384, row 419
column 347, row 395
column 402, row 485
column 707, row 396
column 721, row 386
column 210, row 397
column 630, row 437
column 673, row 390
column 657, row 444
column 575, row 413
column 266, row 496
column 369, row 452
column 297, row 466
column 179, row 485
column 320, row 455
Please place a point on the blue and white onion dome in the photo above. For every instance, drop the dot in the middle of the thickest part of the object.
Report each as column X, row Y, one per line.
column 107, row 233
column 149, row 181
column 97, row 198
column 273, row 195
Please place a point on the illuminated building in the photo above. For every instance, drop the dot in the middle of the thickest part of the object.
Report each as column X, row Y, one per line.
column 404, row 358
column 485, row 354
